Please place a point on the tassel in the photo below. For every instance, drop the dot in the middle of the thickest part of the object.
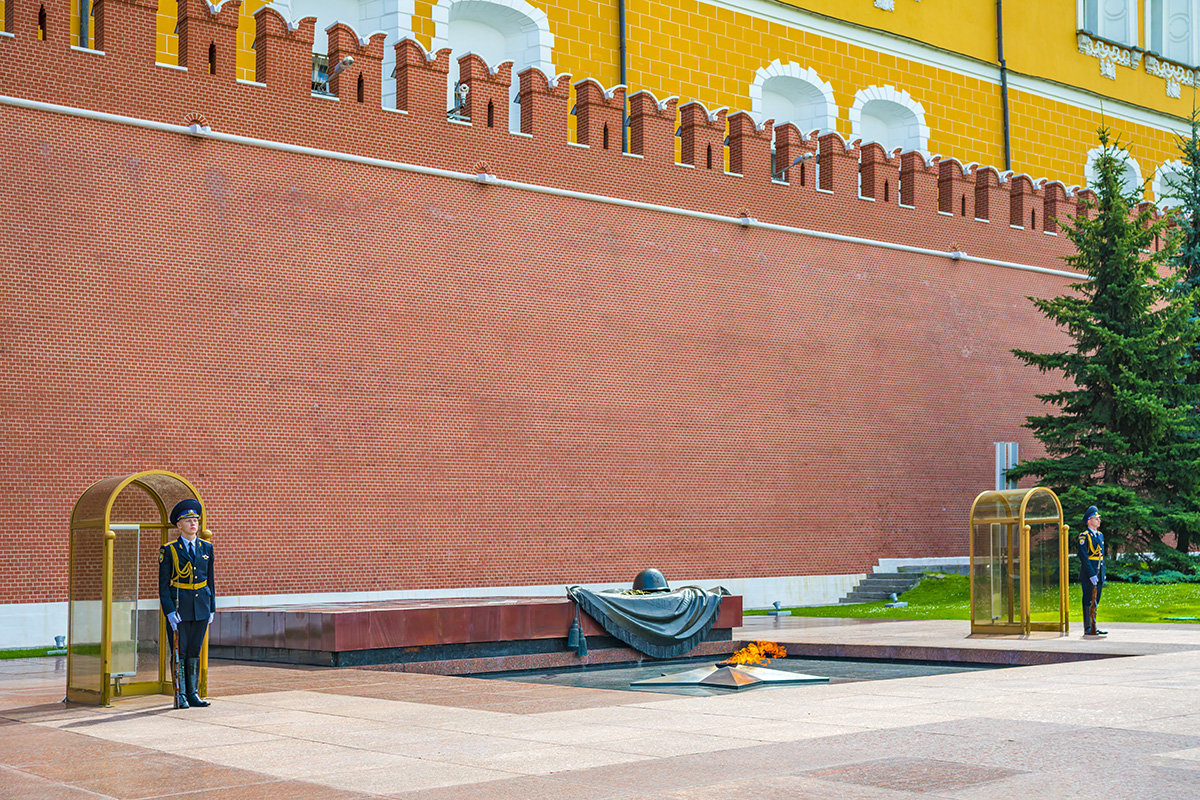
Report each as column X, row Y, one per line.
column 581, row 651
column 573, row 635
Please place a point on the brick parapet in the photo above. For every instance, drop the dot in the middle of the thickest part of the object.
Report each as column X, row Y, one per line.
column 285, row 110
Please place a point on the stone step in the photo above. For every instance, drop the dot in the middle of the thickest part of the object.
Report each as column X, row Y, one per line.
column 867, row 596
column 949, row 569
column 881, row 586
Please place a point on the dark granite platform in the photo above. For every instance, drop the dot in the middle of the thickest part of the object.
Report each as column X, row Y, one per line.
column 452, row 635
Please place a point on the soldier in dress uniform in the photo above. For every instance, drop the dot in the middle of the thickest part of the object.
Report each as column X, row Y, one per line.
column 185, row 591
column 1090, row 549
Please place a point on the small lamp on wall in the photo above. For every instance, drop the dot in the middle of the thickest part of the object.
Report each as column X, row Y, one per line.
column 795, row 161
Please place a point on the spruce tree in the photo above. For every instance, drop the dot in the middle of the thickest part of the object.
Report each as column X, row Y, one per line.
column 1184, row 188
column 1123, row 433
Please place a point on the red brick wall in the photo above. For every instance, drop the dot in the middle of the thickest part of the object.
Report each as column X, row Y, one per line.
column 386, row 380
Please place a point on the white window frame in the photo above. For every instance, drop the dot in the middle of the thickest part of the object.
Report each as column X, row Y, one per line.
column 1194, row 21
column 1160, row 186
column 1089, row 171
column 864, row 97
column 807, row 75
column 1130, row 37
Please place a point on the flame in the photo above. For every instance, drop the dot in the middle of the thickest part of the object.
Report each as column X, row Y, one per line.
column 756, row 653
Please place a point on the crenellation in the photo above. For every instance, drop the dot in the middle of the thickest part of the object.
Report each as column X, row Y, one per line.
column 838, row 165
column 1022, row 202
column 208, row 37
column 879, row 173
column 120, row 27
column 919, row 181
column 652, row 127
column 1085, row 203
column 992, row 201
column 421, row 79
column 1056, row 206
column 750, row 146
column 362, row 80
column 702, row 136
column 599, row 115
column 1150, row 209
column 543, row 103
column 486, row 103
column 793, row 155
column 21, row 19
column 283, row 52
column 953, row 187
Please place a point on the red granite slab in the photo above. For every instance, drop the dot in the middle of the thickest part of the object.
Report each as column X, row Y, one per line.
column 341, row 627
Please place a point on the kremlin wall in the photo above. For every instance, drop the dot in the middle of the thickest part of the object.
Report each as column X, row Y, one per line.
column 406, row 355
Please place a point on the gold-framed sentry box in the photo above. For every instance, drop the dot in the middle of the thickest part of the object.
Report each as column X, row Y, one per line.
column 117, row 641
column 1018, row 562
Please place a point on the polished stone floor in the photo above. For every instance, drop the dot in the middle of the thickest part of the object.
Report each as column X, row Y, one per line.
column 1119, row 727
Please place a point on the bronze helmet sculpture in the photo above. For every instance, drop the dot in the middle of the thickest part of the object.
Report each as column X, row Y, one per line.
column 650, row 580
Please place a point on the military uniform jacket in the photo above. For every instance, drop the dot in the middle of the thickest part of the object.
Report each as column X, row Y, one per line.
column 186, row 585
column 1090, row 549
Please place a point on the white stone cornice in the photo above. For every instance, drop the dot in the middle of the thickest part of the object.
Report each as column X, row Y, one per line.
column 1110, row 55
column 1175, row 75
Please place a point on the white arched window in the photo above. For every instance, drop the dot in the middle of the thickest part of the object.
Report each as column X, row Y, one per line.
column 889, row 116
column 795, row 94
column 496, row 31
column 1131, row 173
column 1169, row 180
column 393, row 17
column 1171, row 30
column 1114, row 20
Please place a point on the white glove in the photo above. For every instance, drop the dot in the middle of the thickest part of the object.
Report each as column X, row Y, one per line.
column 173, row 618
column 1095, row 580
column 211, row 615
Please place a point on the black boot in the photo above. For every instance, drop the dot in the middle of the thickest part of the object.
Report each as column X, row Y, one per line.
column 192, row 674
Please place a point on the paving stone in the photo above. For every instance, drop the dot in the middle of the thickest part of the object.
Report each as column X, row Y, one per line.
column 326, row 734
column 913, row 774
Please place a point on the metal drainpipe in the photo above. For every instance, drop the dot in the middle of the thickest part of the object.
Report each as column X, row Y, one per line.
column 625, row 111
column 84, row 13
column 1003, row 82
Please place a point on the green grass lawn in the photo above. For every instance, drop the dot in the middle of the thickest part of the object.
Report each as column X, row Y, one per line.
column 948, row 597
column 26, row 652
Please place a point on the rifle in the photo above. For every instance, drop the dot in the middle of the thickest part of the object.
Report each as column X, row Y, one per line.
column 178, row 684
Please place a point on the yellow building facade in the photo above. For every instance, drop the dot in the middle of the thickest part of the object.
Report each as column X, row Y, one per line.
column 915, row 74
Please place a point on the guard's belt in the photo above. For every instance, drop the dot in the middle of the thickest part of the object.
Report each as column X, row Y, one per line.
column 199, row 585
